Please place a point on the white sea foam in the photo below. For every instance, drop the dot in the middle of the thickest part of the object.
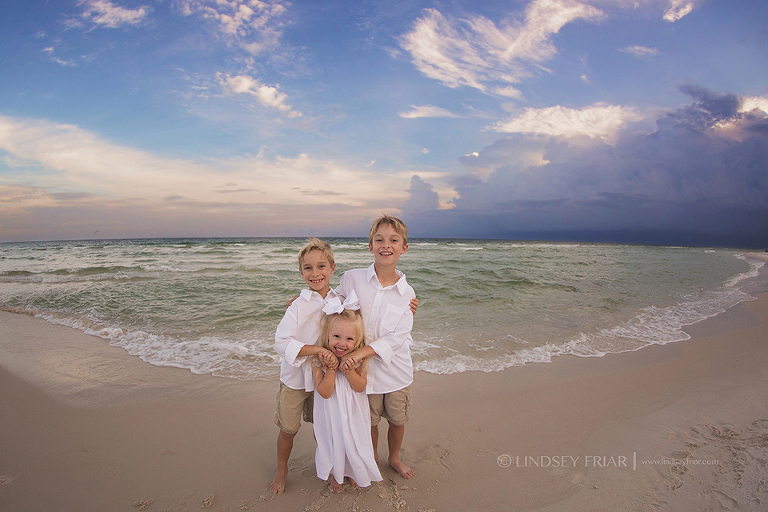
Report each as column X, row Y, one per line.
column 485, row 306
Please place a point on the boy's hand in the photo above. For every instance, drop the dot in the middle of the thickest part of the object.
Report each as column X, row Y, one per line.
column 288, row 304
column 414, row 304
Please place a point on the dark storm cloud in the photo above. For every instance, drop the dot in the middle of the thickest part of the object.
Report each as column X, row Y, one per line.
column 423, row 197
column 708, row 109
column 700, row 178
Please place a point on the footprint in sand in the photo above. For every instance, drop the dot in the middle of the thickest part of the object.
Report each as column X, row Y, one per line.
column 723, row 434
column 437, row 454
column 208, row 502
column 142, row 504
column 678, row 469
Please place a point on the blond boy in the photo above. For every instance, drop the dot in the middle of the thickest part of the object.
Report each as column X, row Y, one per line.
column 384, row 303
column 295, row 341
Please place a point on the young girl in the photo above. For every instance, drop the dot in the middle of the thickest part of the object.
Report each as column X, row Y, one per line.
column 342, row 420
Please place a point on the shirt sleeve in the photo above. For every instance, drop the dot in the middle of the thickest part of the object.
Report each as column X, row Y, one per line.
column 397, row 325
column 286, row 343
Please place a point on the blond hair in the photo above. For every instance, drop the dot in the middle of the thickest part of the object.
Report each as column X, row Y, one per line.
column 347, row 315
column 398, row 225
column 315, row 244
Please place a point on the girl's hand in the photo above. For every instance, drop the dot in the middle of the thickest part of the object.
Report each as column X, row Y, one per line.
column 332, row 362
column 348, row 365
column 349, row 361
column 414, row 304
column 325, row 357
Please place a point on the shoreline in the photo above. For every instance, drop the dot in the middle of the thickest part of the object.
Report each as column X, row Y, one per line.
column 92, row 428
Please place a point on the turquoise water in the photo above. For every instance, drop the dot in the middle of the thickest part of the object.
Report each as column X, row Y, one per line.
column 212, row 305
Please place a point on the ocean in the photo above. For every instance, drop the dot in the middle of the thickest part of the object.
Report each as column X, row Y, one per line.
column 212, row 305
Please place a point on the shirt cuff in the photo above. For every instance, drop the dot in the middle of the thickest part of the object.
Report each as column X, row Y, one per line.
column 383, row 350
column 292, row 353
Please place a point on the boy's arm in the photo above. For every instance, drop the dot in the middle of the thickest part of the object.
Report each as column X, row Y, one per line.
column 312, row 350
column 286, row 342
column 386, row 346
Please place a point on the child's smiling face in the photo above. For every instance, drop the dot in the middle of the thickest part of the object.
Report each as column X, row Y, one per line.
column 317, row 272
column 387, row 246
column 342, row 337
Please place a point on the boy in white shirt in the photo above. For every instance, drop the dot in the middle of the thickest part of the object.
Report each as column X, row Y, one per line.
column 295, row 341
column 384, row 303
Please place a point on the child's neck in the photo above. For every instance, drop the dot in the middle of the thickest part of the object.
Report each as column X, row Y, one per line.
column 387, row 276
column 324, row 292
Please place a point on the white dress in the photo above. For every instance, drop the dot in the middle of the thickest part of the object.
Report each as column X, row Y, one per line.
column 342, row 425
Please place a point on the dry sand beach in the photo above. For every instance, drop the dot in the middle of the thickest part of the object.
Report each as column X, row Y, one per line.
column 679, row 427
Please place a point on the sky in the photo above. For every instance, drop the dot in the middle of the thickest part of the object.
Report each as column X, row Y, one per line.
column 640, row 121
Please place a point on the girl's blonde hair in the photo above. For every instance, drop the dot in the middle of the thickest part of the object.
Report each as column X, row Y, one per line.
column 347, row 315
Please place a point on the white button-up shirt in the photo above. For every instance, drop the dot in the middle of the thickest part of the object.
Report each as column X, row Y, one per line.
column 301, row 325
column 388, row 322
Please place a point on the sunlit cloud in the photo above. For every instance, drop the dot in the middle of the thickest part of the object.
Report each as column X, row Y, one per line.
column 599, row 121
column 678, row 9
column 426, row 111
column 476, row 52
column 67, row 159
column 639, row 51
column 254, row 25
column 268, row 96
column 105, row 13
column 754, row 102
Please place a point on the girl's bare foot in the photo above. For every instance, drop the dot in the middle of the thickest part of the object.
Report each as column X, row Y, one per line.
column 353, row 484
column 405, row 471
column 335, row 486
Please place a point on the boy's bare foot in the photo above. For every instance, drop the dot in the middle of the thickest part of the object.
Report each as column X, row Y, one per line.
column 405, row 471
column 335, row 486
column 278, row 483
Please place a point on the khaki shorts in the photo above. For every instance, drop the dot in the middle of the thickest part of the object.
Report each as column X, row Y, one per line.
column 291, row 404
column 394, row 406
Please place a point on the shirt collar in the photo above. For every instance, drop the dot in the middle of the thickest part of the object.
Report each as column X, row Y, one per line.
column 306, row 294
column 401, row 284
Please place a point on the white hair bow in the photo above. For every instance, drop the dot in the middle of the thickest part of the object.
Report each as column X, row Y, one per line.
column 334, row 306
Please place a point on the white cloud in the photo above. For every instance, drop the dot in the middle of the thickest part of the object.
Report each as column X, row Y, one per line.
column 678, row 9
column 754, row 102
column 268, row 96
column 68, row 159
column 509, row 92
column 475, row 52
column 255, row 25
column 599, row 121
column 49, row 52
column 639, row 51
column 105, row 13
column 426, row 111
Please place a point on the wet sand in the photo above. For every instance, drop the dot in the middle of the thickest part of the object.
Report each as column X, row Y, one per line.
column 679, row 427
